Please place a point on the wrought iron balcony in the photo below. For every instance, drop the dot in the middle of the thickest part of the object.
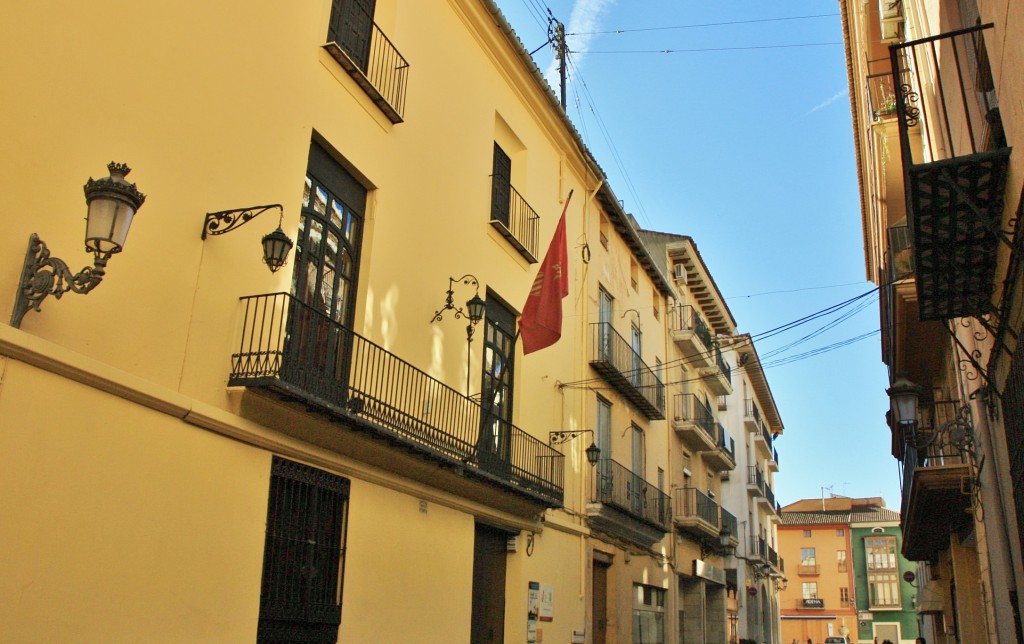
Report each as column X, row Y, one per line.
column 773, row 557
column 622, row 368
column 695, row 512
column 768, row 497
column 773, row 463
column 694, row 422
column 758, row 548
column 751, row 415
column 763, row 441
column 939, row 478
column 518, row 223
column 723, row 456
column 755, row 480
column 808, row 569
column 956, row 176
column 625, row 504
column 379, row 69
column 300, row 353
column 718, row 376
column 730, row 526
column 881, row 96
column 692, row 334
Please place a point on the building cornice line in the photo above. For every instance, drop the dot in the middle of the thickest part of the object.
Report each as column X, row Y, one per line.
column 42, row 354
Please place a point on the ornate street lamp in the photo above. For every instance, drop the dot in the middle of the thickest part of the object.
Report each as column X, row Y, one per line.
column 111, row 206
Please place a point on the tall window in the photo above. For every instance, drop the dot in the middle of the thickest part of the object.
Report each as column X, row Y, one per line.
column 648, row 614
column 501, row 186
column 303, row 557
column 604, row 443
column 841, row 560
column 807, row 556
column 497, row 386
column 810, row 589
column 604, row 318
column 351, row 27
column 636, row 484
column 324, row 278
column 844, row 597
column 883, row 572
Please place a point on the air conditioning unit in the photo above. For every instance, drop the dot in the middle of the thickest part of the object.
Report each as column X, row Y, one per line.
column 679, row 273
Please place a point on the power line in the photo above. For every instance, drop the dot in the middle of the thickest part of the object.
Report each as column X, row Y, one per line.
column 707, row 24
column 794, row 290
column 710, row 49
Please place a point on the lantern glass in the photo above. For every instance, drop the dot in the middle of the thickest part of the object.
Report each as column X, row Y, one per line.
column 593, row 453
column 276, row 247
column 904, row 395
column 475, row 307
column 107, row 224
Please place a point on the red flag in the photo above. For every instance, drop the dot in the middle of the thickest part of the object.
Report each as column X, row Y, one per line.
column 541, row 323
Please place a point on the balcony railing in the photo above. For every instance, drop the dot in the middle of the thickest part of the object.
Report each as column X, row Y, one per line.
column 726, row 443
column 723, row 366
column 694, row 421
column 758, row 547
column 618, row 487
column 622, row 368
column 687, row 319
column 808, row 569
column 382, row 72
column 938, row 470
column 692, row 503
column 522, row 228
column 730, row 525
column 751, row 414
column 755, row 478
column 881, row 95
column 297, row 350
column 956, row 176
column 773, row 557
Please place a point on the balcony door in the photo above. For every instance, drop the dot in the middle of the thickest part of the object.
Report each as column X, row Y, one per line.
column 494, row 444
column 637, row 484
column 501, row 187
column 324, row 277
column 604, row 317
column 351, row 27
column 636, row 364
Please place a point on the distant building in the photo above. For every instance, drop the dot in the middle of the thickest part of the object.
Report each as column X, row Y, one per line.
column 847, row 577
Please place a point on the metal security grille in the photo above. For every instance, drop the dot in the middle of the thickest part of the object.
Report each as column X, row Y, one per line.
column 300, row 598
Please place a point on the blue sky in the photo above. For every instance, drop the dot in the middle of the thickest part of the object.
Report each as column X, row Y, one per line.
column 738, row 134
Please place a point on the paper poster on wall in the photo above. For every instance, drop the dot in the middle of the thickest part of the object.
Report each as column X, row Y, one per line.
column 547, row 603
column 532, row 612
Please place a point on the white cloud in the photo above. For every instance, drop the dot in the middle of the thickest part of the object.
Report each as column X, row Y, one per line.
column 840, row 94
column 584, row 19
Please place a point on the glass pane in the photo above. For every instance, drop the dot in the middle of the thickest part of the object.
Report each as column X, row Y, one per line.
column 316, row 235
column 337, row 215
column 341, row 301
column 306, row 192
column 320, row 201
column 327, row 291
column 332, row 246
column 344, row 266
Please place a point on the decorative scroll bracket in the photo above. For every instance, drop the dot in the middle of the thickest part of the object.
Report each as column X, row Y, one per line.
column 42, row 276
column 224, row 221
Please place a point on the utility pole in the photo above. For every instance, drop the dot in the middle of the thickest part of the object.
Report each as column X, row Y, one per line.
column 561, row 53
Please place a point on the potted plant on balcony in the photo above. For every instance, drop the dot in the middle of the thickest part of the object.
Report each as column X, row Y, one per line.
column 886, row 106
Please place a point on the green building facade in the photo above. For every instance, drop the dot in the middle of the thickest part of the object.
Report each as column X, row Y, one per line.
column 884, row 597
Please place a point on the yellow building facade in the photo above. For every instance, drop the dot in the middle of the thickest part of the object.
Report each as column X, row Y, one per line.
column 935, row 96
column 354, row 447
